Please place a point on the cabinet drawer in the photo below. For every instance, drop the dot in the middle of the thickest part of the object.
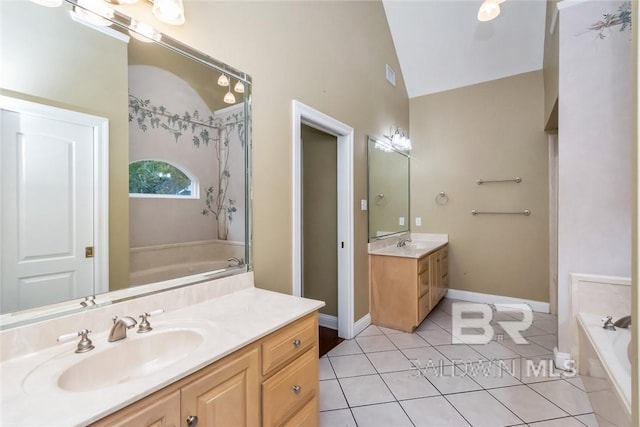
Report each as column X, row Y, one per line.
column 288, row 343
column 424, row 306
column 308, row 416
column 288, row 390
column 423, row 283
column 423, row 264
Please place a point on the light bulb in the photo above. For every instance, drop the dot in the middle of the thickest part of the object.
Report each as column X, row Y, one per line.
column 229, row 98
column 143, row 32
column 93, row 11
column 169, row 11
column 223, row 80
column 489, row 10
column 239, row 87
column 48, row 3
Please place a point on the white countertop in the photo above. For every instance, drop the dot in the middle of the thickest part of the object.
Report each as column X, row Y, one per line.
column 420, row 245
column 229, row 323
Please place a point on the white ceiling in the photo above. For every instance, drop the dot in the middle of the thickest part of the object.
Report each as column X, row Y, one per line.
column 441, row 45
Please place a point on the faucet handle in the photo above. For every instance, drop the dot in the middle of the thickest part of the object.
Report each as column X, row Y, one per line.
column 144, row 325
column 608, row 323
column 84, row 344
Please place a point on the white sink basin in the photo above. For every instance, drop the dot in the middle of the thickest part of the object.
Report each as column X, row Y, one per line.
column 110, row 364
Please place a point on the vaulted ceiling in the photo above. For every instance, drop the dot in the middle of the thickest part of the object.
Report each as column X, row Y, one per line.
column 441, row 45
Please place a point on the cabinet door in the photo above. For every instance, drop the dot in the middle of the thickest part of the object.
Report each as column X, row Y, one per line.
column 154, row 411
column 228, row 396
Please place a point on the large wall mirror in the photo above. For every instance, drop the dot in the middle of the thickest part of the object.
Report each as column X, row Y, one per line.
column 388, row 189
column 125, row 164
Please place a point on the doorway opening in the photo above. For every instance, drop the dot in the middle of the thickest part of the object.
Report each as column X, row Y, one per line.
column 318, row 123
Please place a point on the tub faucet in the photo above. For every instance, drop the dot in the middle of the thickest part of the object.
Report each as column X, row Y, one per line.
column 403, row 242
column 120, row 326
column 623, row 322
column 608, row 324
column 235, row 261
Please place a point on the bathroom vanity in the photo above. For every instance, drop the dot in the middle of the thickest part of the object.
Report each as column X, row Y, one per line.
column 407, row 282
column 222, row 353
column 284, row 366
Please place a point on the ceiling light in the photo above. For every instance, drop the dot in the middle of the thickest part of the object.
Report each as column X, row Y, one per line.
column 229, row 98
column 223, row 80
column 239, row 87
column 489, row 10
column 169, row 11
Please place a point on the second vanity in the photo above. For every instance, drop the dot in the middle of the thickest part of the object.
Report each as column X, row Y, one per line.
column 243, row 357
column 407, row 281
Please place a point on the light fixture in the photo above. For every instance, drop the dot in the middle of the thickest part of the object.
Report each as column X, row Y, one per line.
column 94, row 12
column 399, row 140
column 239, row 87
column 223, row 80
column 489, row 9
column 48, row 3
column 143, row 32
column 169, row 11
column 229, row 98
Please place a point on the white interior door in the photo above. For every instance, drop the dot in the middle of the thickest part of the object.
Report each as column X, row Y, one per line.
column 47, row 210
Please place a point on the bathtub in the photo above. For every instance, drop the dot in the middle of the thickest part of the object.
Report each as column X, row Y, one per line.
column 605, row 368
column 172, row 271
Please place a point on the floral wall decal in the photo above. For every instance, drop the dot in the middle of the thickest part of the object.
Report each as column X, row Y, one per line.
column 620, row 18
column 202, row 131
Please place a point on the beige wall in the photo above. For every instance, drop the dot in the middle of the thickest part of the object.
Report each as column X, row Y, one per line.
column 492, row 131
column 328, row 55
column 550, row 69
column 65, row 82
column 320, row 223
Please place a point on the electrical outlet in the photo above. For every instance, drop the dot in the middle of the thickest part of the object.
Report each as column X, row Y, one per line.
column 363, row 205
column 401, row 220
column 418, row 221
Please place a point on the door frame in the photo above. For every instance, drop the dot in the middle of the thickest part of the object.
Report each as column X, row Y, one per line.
column 100, row 127
column 303, row 114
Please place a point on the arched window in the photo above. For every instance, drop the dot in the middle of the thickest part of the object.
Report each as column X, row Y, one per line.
column 160, row 179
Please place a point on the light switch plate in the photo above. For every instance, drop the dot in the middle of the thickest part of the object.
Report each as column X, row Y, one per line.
column 401, row 220
column 418, row 221
column 363, row 205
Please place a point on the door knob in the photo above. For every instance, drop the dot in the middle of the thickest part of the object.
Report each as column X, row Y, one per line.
column 192, row 421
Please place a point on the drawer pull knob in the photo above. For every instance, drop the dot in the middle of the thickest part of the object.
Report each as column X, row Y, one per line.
column 296, row 343
column 296, row 389
column 192, row 421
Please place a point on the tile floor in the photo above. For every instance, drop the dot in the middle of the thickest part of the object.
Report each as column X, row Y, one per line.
column 389, row 378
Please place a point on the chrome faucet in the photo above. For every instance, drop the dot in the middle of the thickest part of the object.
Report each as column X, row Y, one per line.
column 608, row 324
column 403, row 243
column 120, row 326
column 623, row 322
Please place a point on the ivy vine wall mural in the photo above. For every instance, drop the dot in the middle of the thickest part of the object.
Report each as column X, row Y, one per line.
column 170, row 122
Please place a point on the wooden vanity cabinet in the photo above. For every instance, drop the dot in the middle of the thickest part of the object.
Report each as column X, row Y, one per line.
column 404, row 290
column 227, row 395
column 272, row 382
column 161, row 409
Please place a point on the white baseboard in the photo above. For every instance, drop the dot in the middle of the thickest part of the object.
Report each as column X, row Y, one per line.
column 328, row 321
column 538, row 306
column 361, row 324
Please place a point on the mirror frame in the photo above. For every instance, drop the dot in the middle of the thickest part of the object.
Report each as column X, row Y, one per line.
column 42, row 313
column 390, row 149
